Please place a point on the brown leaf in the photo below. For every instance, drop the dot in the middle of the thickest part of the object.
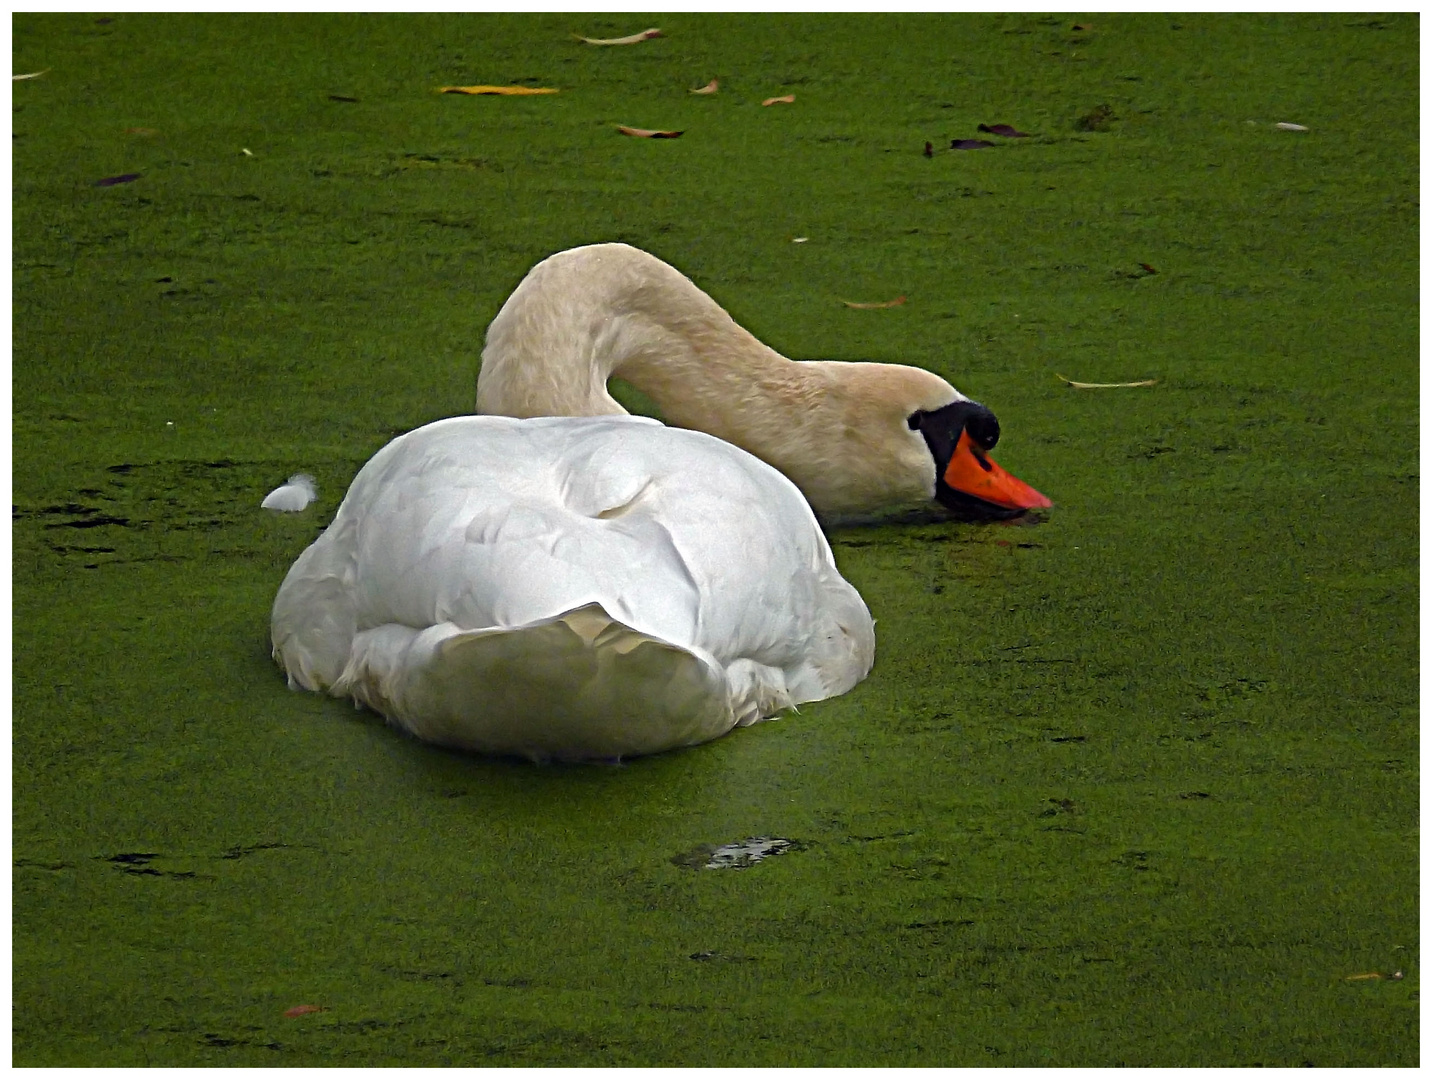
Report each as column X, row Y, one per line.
column 788, row 99
column 506, row 91
column 645, row 35
column 969, row 144
column 303, row 1010
column 647, row 133
column 929, row 150
column 709, row 88
column 140, row 131
column 1005, row 130
column 869, row 307
column 1103, row 385
column 1148, row 269
column 1082, row 26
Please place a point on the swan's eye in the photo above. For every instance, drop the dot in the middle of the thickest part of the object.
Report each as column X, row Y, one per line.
column 914, row 419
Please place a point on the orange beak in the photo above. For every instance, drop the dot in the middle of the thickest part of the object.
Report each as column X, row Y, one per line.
column 974, row 473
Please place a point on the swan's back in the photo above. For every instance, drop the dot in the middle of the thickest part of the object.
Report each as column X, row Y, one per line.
column 570, row 588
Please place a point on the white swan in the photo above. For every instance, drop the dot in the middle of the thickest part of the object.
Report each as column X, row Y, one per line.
column 855, row 437
column 570, row 588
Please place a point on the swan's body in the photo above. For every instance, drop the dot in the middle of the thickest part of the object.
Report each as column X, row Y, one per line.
column 854, row 437
column 571, row 589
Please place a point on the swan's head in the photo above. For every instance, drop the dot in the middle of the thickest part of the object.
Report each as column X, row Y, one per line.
column 960, row 436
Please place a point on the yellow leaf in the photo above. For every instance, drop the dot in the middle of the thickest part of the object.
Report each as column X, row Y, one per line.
column 647, row 133
column 32, row 75
column 789, row 99
column 507, row 91
column 868, row 307
column 1103, row 385
column 709, row 88
column 645, row 35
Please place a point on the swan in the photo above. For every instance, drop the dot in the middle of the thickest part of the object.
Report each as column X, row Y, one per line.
column 570, row 588
column 856, row 438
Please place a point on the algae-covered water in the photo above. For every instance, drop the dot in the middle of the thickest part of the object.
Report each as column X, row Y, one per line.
column 1134, row 784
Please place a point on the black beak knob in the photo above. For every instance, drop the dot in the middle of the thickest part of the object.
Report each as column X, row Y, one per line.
column 983, row 428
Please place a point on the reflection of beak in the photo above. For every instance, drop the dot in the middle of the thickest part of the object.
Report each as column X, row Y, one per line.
column 972, row 472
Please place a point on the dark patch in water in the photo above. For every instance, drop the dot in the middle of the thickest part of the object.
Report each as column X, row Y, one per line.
column 238, row 852
column 136, row 858
column 36, row 864
column 89, row 523
column 735, row 856
column 706, row 956
column 938, row 923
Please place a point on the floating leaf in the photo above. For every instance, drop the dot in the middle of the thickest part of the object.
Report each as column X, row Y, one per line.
column 647, row 133
column 788, row 99
column 1147, row 268
column 32, row 75
column 303, row 1010
column 1290, row 127
column 800, row 239
column 969, row 144
column 1078, row 27
column 343, row 97
column 869, row 307
column 1005, row 130
column 246, row 151
column 929, row 150
column 709, row 88
column 645, row 35
column 123, row 178
column 1103, row 385
column 506, row 91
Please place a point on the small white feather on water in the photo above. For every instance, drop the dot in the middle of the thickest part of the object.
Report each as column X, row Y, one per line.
column 292, row 496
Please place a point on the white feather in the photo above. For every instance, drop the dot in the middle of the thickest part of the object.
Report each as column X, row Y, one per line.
column 570, row 588
column 292, row 496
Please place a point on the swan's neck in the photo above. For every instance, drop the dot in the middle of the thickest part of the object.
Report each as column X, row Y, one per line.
column 587, row 314
column 584, row 315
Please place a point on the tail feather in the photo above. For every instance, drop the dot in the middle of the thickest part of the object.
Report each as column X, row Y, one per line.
column 575, row 687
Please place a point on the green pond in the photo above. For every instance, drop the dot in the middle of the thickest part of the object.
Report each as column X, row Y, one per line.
column 1136, row 783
